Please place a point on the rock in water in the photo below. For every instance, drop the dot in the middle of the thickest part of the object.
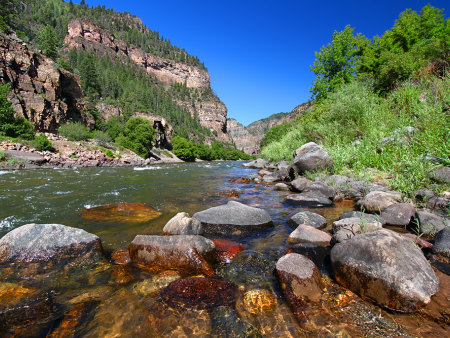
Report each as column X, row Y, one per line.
column 309, row 157
column 226, row 250
column 190, row 253
column 299, row 279
column 121, row 212
column 307, row 234
column 387, row 268
column 233, row 220
column 322, row 189
column 183, row 224
column 308, row 199
column 309, row 218
column 301, row 184
column 49, row 242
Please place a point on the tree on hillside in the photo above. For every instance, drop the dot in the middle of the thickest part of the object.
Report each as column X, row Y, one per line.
column 335, row 63
column 89, row 75
column 48, row 42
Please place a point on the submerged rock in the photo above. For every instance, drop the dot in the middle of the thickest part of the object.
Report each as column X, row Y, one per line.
column 308, row 218
column 120, row 257
column 307, row 234
column 226, row 250
column 227, row 323
column 121, row 212
column 249, row 267
column 190, row 253
column 258, row 301
column 310, row 157
column 183, row 224
column 308, row 199
column 199, row 293
column 49, row 242
column 377, row 201
column 233, row 220
column 387, row 268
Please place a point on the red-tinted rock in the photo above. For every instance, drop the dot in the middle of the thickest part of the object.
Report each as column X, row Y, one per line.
column 199, row 293
column 120, row 257
column 121, row 212
column 419, row 241
column 226, row 250
column 240, row 180
column 228, row 193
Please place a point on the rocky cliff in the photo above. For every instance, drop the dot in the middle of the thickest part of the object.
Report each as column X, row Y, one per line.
column 212, row 113
column 41, row 91
column 248, row 138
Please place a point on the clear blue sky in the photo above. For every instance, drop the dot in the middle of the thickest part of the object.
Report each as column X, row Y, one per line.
column 258, row 53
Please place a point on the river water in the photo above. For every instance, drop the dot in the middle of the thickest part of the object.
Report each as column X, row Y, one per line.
column 114, row 300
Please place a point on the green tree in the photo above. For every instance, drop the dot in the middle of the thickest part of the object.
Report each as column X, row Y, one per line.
column 48, row 42
column 183, row 148
column 138, row 136
column 335, row 63
column 89, row 75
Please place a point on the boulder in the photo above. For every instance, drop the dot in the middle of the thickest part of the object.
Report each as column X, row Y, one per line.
column 377, row 201
column 366, row 217
column 322, row 189
column 310, row 157
column 352, row 221
column 233, row 219
column 189, row 253
column 307, row 234
column 281, row 187
column 226, row 250
column 441, row 175
column 258, row 164
column 49, row 243
column 387, row 268
column 308, row 218
column 299, row 279
column 336, row 180
column 308, row 199
column 282, row 165
column 430, row 223
column 320, row 255
column 442, row 243
column 437, row 202
column 273, row 177
column 399, row 214
column 300, row 184
column 183, row 224
column 351, row 227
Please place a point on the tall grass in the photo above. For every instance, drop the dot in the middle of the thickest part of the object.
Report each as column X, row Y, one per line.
column 353, row 120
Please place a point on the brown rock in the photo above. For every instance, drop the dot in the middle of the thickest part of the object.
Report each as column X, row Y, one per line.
column 259, row 301
column 308, row 234
column 399, row 214
column 226, row 250
column 121, row 212
column 120, row 257
column 377, row 201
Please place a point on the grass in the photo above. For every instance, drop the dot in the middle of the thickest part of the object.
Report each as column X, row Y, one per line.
column 353, row 120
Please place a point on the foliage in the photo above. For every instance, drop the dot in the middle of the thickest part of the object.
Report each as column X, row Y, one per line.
column 109, row 153
column 48, row 42
column 183, row 149
column 102, row 138
column 3, row 26
column 74, row 131
column 138, row 136
column 115, row 126
column 10, row 126
column 275, row 134
column 3, row 156
column 203, row 152
column 42, row 143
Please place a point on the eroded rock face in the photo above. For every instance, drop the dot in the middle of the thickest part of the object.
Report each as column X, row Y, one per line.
column 121, row 212
column 233, row 219
column 387, row 268
column 183, row 224
column 190, row 253
column 309, row 157
column 299, row 279
column 49, row 242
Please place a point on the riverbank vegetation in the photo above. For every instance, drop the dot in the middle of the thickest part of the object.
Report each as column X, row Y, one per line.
column 383, row 111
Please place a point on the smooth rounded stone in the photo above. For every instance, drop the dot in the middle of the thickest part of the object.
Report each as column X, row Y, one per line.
column 226, row 250
column 320, row 255
column 366, row 217
column 121, row 212
column 183, row 224
column 258, row 301
column 249, row 267
column 322, row 189
column 282, row 165
column 309, row 218
column 226, row 322
column 300, row 184
column 310, row 157
column 307, row 234
column 430, row 223
column 199, row 293
column 387, row 268
column 190, row 253
column 233, row 220
column 273, row 177
column 336, row 180
column 299, row 279
column 308, row 199
column 252, row 176
column 346, row 222
column 49, row 242
column 354, row 227
column 442, row 243
column 258, row 164
column 399, row 214
column 441, row 175
column 264, row 172
column 281, row 187
column 377, row 201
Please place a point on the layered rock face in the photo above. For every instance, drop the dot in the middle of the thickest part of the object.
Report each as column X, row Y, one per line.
column 85, row 35
column 42, row 93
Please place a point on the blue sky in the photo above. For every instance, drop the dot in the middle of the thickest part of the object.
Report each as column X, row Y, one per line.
column 258, row 53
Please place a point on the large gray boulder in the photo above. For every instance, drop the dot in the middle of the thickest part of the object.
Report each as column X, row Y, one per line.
column 310, row 157
column 322, row 189
column 442, row 243
column 387, row 268
column 377, row 201
column 233, row 219
column 185, row 253
column 308, row 199
column 258, row 164
column 399, row 214
column 430, row 223
column 49, row 242
column 309, row 218
column 300, row 184
column 183, row 224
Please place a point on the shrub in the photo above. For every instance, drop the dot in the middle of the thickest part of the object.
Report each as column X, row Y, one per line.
column 109, row 153
column 183, row 148
column 42, row 143
column 3, row 156
column 138, row 136
column 102, row 138
column 74, row 131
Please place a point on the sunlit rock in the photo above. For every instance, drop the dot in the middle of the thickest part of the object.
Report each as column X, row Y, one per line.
column 121, row 212
column 307, row 234
column 258, row 301
column 183, row 224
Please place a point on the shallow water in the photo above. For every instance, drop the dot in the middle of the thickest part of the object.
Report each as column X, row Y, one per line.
column 107, row 300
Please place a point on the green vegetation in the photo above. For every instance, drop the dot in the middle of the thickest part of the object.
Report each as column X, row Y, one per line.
column 109, row 153
column 102, row 138
column 183, row 148
column 49, row 42
column 3, row 156
column 74, row 131
column 138, row 136
column 365, row 122
column 42, row 143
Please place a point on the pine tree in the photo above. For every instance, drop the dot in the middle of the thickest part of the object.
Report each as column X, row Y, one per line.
column 49, row 42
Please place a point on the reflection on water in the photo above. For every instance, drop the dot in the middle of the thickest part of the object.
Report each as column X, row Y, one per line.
column 107, row 300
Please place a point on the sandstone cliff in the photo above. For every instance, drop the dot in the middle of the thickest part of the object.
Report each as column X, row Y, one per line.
column 212, row 113
column 41, row 92
column 248, row 138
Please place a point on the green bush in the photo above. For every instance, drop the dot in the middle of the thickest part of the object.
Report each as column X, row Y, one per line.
column 138, row 136
column 183, row 148
column 74, row 131
column 42, row 143
column 102, row 138
column 3, row 156
column 109, row 153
